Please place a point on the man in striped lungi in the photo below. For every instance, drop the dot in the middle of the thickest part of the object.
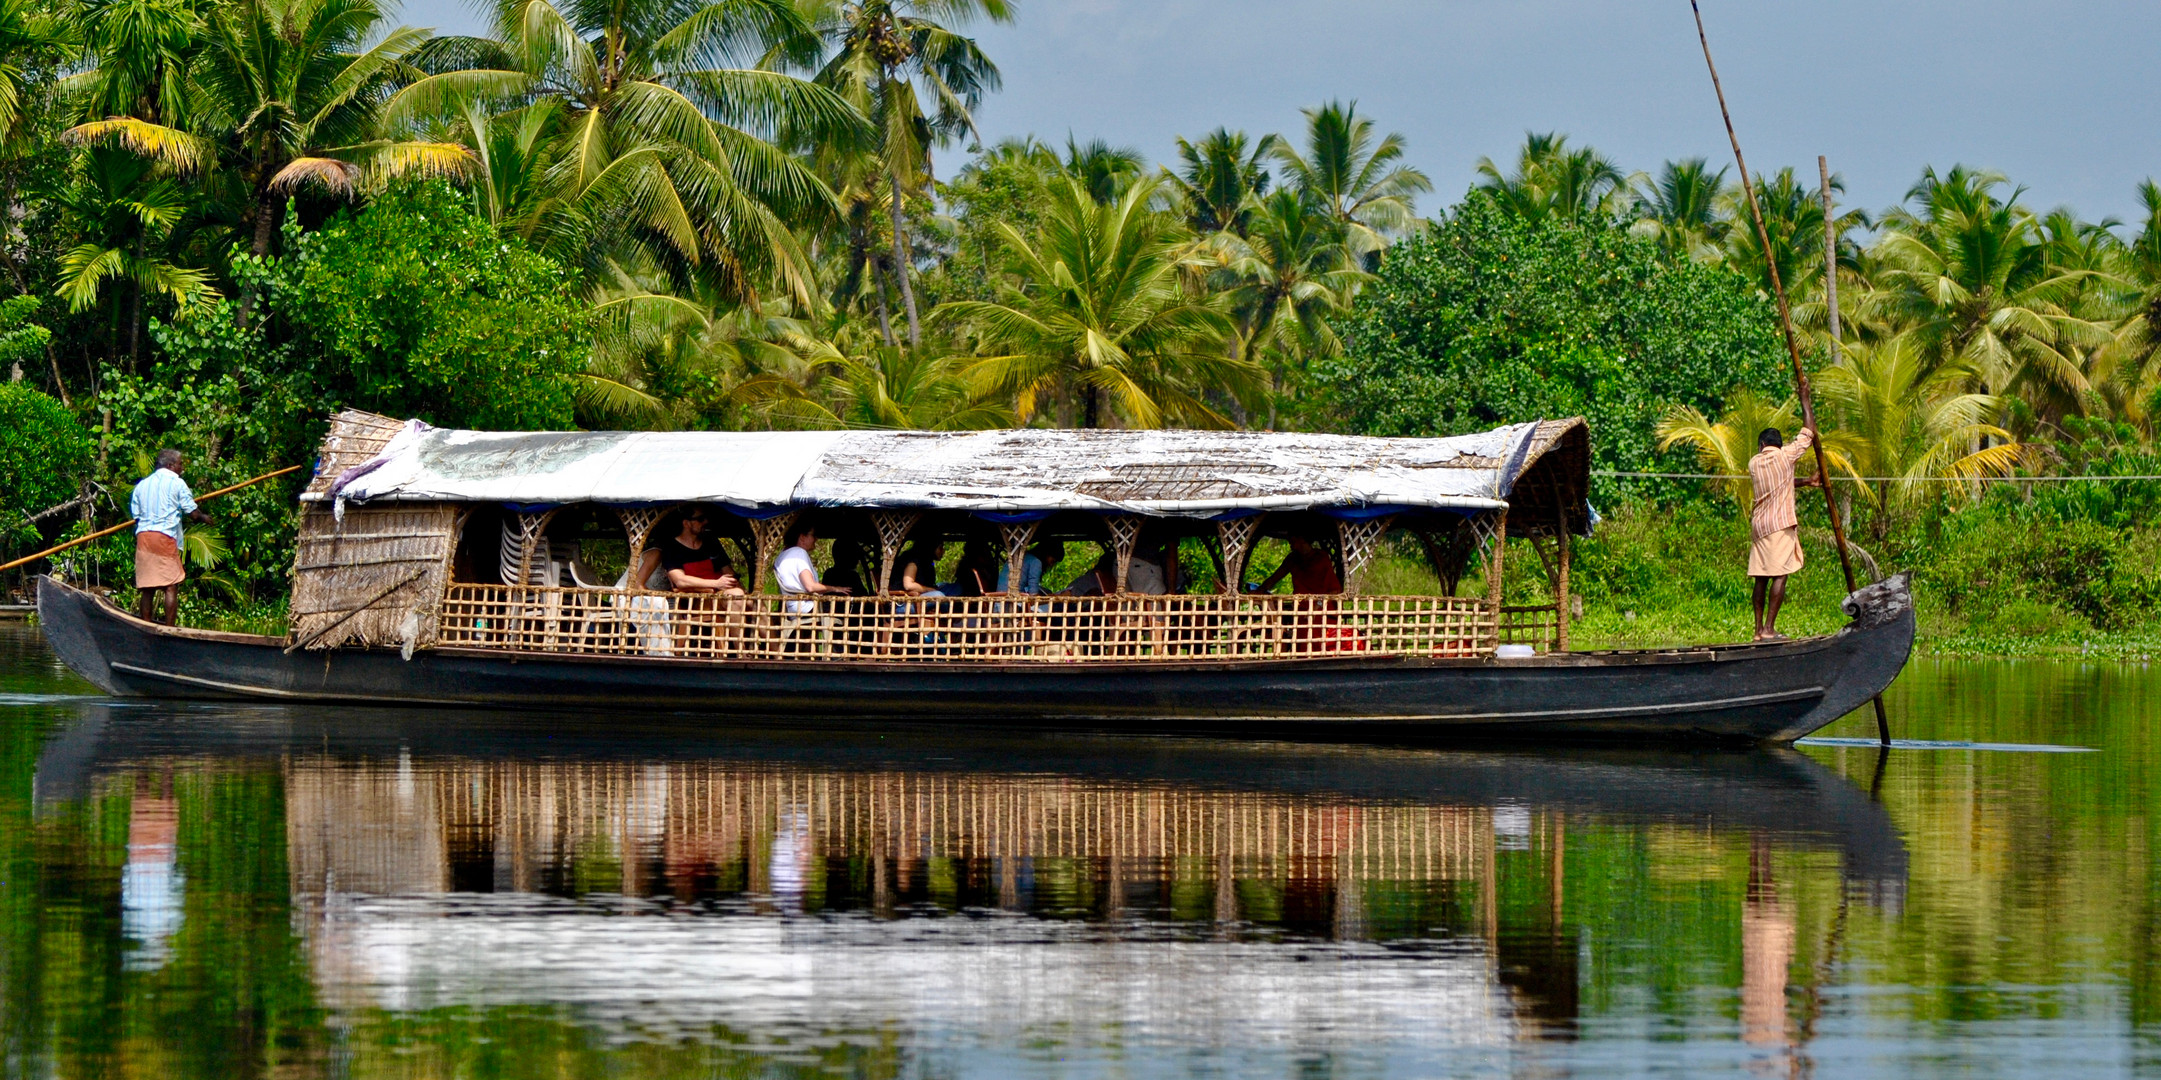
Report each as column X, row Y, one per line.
column 1775, row 551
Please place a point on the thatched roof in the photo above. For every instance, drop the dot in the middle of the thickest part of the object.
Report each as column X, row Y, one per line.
column 1160, row 473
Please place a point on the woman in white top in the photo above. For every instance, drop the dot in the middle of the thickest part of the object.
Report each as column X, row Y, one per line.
column 798, row 575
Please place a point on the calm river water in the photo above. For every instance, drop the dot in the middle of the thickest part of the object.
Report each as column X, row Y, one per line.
column 219, row 891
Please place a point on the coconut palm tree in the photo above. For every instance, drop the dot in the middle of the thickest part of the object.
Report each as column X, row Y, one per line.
column 513, row 153
column 882, row 387
column 1354, row 177
column 28, row 32
column 859, row 182
column 1100, row 320
column 1293, row 276
column 904, row 67
column 126, row 211
column 2132, row 357
column 2103, row 289
column 1724, row 446
column 1793, row 218
column 1968, row 274
column 1552, row 180
column 664, row 154
column 1682, row 210
column 1217, row 175
column 140, row 51
column 1104, row 170
column 1910, row 422
column 281, row 94
column 670, row 359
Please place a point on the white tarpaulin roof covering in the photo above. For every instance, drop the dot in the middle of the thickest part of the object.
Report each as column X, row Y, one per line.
column 1151, row 472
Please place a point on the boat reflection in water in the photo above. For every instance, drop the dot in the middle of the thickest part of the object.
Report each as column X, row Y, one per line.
column 1102, row 892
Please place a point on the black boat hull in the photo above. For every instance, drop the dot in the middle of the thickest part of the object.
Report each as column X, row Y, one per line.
column 1773, row 692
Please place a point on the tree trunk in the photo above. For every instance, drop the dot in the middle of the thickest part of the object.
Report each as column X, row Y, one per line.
column 266, row 226
column 851, row 282
column 1091, row 406
column 112, row 334
column 900, row 262
column 60, row 385
column 1275, row 391
column 885, row 321
column 135, row 331
column 266, row 222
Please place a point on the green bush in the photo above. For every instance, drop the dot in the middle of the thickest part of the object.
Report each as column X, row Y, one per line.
column 1981, row 559
column 1488, row 318
column 44, row 456
column 421, row 310
column 2102, row 448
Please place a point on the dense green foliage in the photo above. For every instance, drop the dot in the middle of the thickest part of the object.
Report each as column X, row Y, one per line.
column 416, row 307
column 44, row 455
column 1490, row 317
column 21, row 340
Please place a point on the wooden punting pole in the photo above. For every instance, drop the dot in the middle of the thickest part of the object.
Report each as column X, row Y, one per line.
column 1830, row 301
column 1785, row 320
column 58, row 548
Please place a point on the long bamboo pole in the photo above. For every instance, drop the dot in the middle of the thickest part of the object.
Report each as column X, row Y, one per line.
column 1830, row 301
column 58, row 548
column 1785, row 313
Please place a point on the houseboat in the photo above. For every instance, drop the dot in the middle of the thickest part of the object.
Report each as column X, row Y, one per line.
column 450, row 567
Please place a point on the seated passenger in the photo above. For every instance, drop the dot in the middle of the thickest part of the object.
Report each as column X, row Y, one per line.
column 798, row 575
column 915, row 573
column 1151, row 569
column 978, row 570
column 1100, row 580
column 1311, row 571
column 847, row 572
column 1032, row 565
column 647, row 574
column 691, row 563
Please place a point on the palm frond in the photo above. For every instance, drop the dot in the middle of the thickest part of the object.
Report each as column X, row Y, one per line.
column 339, row 178
column 178, row 150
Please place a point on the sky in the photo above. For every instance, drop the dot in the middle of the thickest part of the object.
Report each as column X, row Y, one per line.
column 2057, row 95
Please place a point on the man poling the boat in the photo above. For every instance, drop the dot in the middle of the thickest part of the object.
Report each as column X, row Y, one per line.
column 1774, row 553
column 158, row 504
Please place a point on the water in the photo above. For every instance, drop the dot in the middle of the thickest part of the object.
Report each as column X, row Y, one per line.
column 214, row 891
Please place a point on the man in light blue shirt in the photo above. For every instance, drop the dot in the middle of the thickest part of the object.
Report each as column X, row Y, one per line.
column 1032, row 565
column 159, row 503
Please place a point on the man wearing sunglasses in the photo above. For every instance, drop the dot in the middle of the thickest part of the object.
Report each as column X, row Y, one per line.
column 696, row 564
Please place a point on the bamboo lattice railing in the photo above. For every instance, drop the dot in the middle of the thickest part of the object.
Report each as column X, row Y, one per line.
column 1039, row 629
column 1532, row 624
